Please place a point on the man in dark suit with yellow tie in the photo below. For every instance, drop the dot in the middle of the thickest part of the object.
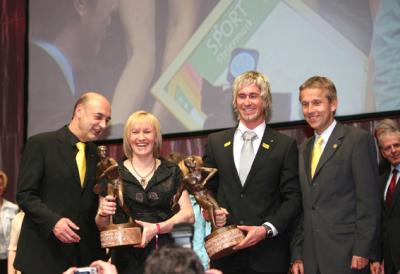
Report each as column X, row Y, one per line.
column 55, row 190
column 256, row 183
column 388, row 250
column 339, row 182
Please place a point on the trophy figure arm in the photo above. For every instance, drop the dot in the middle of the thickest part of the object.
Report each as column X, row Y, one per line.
column 175, row 202
column 110, row 171
column 213, row 220
column 120, row 191
column 110, row 189
column 211, row 172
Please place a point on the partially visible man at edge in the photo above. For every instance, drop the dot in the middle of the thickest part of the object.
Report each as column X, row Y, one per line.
column 388, row 249
column 59, row 227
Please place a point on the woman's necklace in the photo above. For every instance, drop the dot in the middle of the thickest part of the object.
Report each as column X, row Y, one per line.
column 143, row 181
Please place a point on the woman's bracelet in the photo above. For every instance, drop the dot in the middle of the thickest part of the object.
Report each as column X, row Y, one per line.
column 158, row 227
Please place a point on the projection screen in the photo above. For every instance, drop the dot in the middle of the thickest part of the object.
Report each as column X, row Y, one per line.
column 178, row 58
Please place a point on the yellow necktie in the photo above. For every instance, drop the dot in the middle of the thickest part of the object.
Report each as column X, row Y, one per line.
column 316, row 154
column 81, row 161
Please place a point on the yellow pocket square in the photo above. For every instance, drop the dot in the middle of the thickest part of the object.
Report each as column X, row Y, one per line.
column 227, row 144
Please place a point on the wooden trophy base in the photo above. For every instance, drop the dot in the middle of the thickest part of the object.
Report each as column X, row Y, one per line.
column 221, row 241
column 120, row 234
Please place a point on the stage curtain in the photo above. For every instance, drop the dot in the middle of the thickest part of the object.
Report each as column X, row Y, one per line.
column 12, row 85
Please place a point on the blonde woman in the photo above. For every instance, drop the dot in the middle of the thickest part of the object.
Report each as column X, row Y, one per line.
column 150, row 185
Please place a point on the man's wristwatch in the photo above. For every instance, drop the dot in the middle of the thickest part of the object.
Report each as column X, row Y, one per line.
column 269, row 231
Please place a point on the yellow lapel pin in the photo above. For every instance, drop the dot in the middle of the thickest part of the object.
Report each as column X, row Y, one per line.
column 335, row 146
column 264, row 145
column 227, row 144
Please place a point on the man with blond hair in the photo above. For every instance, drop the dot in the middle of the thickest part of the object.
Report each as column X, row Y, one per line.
column 257, row 181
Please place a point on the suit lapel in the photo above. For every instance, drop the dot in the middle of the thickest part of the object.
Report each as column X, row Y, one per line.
column 334, row 142
column 68, row 154
column 228, row 150
column 91, row 162
column 307, row 157
column 396, row 194
column 384, row 178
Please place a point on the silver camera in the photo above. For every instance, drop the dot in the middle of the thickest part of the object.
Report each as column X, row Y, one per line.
column 86, row 270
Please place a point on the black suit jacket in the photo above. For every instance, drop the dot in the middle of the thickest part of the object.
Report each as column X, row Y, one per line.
column 270, row 194
column 49, row 189
column 391, row 226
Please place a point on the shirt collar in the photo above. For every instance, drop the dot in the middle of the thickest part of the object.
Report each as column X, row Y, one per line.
column 71, row 137
column 7, row 205
column 259, row 130
column 327, row 132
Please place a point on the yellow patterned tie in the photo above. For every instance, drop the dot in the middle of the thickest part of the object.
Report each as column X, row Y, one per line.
column 316, row 154
column 81, row 161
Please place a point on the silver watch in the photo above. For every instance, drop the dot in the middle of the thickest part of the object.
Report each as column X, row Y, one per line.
column 269, row 231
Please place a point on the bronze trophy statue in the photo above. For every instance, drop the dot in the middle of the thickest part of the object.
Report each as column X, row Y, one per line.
column 222, row 239
column 107, row 178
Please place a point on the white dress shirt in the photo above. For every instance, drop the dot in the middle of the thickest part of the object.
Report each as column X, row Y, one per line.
column 238, row 141
column 326, row 134
column 7, row 212
column 390, row 178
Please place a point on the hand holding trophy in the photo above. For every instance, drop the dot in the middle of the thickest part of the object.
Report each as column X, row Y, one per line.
column 108, row 179
column 222, row 239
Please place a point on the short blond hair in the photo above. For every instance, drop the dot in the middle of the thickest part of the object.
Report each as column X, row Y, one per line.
column 253, row 78
column 386, row 126
column 137, row 117
column 322, row 83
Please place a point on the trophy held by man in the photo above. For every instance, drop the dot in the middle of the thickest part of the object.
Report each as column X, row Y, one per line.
column 222, row 239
